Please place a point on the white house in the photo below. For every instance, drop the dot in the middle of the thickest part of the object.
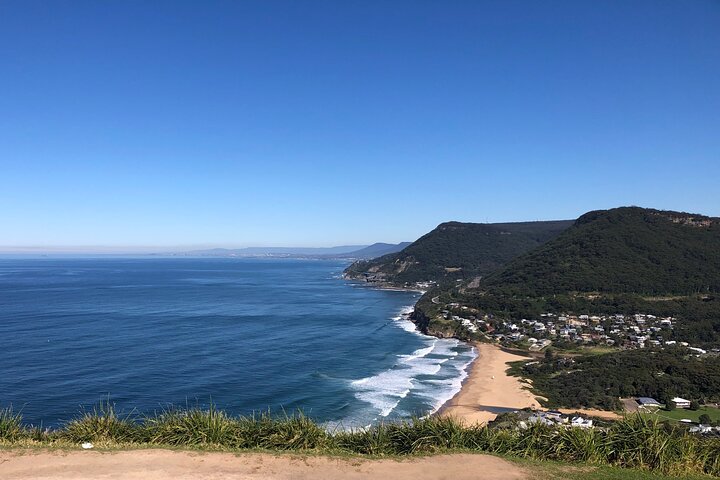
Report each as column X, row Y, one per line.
column 581, row 422
column 681, row 402
column 701, row 429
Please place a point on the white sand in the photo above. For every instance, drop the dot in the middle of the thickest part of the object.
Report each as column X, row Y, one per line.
column 488, row 385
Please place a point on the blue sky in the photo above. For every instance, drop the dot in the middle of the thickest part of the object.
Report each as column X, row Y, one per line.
column 169, row 123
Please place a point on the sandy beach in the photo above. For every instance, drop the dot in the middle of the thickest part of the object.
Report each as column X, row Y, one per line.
column 488, row 388
column 158, row 464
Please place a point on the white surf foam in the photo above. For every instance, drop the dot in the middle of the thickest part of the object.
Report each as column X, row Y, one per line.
column 419, row 353
column 440, row 391
column 385, row 390
column 402, row 320
column 408, row 376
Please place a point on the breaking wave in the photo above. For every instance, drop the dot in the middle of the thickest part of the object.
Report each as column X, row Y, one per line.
column 419, row 382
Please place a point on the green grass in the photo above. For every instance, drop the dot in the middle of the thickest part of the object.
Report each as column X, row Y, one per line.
column 694, row 415
column 11, row 427
column 637, row 442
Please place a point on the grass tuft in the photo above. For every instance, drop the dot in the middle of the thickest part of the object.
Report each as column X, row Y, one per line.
column 103, row 425
column 637, row 442
column 11, row 426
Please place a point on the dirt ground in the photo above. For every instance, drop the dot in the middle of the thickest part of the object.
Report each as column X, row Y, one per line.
column 157, row 464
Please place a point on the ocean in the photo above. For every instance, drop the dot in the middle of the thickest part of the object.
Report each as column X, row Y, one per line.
column 247, row 335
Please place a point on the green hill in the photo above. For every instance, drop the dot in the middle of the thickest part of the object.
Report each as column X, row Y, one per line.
column 597, row 381
column 623, row 250
column 456, row 250
column 622, row 261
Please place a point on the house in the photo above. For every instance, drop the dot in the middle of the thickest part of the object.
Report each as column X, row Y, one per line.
column 553, row 417
column 580, row 422
column 701, row 429
column 647, row 402
column 681, row 402
column 469, row 325
column 540, row 418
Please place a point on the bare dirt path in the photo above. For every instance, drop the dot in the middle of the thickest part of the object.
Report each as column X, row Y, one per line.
column 157, row 464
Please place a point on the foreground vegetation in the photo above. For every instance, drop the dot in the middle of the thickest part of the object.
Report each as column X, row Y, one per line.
column 635, row 442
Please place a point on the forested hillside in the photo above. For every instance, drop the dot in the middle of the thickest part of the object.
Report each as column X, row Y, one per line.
column 597, row 381
column 621, row 261
column 457, row 250
column 623, row 250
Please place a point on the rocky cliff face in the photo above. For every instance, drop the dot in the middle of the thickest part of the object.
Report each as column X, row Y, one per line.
column 435, row 325
column 420, row 319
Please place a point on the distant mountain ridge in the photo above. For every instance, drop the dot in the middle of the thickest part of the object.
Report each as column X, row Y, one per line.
column 344, row 251
column 376, row 250
column 261, row 251
column 456, row 250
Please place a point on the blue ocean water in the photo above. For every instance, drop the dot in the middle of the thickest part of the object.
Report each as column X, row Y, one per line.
column 245, row 334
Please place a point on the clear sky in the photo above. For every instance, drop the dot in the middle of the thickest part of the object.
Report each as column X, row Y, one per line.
column 170, row 123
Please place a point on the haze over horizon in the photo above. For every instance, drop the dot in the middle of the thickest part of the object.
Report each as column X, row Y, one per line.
column 184, row 125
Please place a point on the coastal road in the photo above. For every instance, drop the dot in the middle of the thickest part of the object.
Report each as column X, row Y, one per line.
column 157, row 464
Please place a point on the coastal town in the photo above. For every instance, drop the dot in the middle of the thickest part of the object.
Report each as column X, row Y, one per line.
column 572, row 331
column 523, row 419
column 612, row 330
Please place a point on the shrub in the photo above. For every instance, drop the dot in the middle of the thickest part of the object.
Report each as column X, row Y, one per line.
column 10, row 425
column 102, row 425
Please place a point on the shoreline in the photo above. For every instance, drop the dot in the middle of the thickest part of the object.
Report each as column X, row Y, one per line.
column 406, row 323
column 381, row 286
column 488, row 389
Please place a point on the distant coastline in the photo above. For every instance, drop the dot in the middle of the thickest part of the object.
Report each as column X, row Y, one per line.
column 382, row 286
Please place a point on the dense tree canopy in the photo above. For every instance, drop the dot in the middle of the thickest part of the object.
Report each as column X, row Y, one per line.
column 457, row 250
column 623, row 250
column 600, row 380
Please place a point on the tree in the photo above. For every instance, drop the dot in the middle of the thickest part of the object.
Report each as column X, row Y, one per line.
column 705, row 419
column 669, row 404
column 694, row 405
